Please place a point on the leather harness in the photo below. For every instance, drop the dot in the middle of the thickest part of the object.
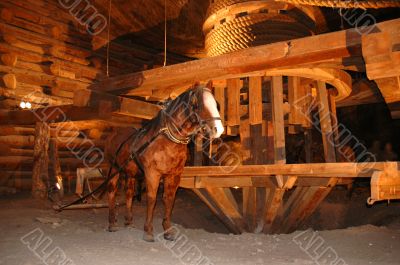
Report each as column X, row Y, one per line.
column 169, row 129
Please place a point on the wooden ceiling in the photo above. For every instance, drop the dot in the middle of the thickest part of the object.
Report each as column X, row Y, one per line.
column 141, row 22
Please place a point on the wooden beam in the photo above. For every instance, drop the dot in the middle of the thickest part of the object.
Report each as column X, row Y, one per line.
column 249, row 195
column 255, row 100
column 219, row 94
column 340, row 44
column 233, row 97
column 313, row 196
column 274, row 195
column 118, row 105
column 203, row 195
column 278, row 124
column 295, row 93
column 273, row 203
column 325, row 116
column 40, row 173
column 49, row 115
column 225, row 201
column 319, row 170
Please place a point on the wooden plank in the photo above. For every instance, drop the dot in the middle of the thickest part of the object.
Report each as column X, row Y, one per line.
column 119, row 105
column 273, row 203
column 315, row 195
column 278, row 124
column 219, row 94
column 255, row 100
column 340, row 44
column 50, row 115
column 295, row 93
column 320, row 170
column 278, row 120
column 233, row 97
column 40, row 172
column 326, row 122
column 274, row 195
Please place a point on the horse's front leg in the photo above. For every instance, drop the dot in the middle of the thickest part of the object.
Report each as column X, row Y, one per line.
column 171, row 184
column 152, row 183
column 112, row 191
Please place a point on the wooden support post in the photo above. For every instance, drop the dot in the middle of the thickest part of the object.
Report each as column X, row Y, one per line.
column 325, row 117
column 279, row 125
column 233, row 94
column 55, row 172
column 219, row 94
column 40, row 175
column 250, row 207
column 255, row 100
column 274, row 196
column 313, row 196
column 294, row 88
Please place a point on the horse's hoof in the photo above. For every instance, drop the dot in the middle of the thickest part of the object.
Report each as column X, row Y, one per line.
column 170, row 236
column 130, row 225
column 148, row 237
column 112, row 229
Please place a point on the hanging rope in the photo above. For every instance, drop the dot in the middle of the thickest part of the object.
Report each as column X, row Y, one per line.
column 375, row 4
column 165, row 33
column 108, row 38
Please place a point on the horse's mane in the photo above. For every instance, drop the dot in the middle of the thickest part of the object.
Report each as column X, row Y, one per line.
column 175, row 103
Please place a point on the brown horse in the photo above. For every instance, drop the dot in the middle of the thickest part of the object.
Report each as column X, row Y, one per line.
column 158, row 151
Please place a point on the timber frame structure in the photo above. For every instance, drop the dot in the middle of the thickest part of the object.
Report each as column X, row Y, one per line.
column 264, row 92
column 310, row 63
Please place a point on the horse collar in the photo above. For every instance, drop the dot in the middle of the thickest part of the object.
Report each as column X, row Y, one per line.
column 169, row 132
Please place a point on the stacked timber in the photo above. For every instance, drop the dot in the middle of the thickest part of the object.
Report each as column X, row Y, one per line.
column 74, row 149
column 46, row 54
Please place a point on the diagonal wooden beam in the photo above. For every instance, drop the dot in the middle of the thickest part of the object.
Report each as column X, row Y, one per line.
column 226, row 203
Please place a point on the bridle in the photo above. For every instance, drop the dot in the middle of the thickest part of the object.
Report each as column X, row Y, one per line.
column 171, row 129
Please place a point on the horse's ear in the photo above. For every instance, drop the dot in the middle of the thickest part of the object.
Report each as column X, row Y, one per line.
column 194, row 101
column 209, row 85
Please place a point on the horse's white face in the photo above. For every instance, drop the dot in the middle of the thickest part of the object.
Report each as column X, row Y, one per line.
column 211, row 105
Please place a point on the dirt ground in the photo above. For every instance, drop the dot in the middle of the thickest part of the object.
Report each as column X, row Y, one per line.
column 31, row 233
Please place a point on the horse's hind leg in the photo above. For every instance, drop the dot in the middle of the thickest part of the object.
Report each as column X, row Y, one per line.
column 112, row 192
column 171, row 184
column 130, row 192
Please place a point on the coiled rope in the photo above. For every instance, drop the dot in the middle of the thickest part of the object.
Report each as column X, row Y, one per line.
column 364, row 4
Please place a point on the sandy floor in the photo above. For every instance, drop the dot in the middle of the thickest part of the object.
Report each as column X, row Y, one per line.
column 79, row 237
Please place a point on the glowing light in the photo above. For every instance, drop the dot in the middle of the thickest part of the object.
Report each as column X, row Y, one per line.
column 58, row 186
column 28, row 105
column 22, row 105
column 236, row 187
